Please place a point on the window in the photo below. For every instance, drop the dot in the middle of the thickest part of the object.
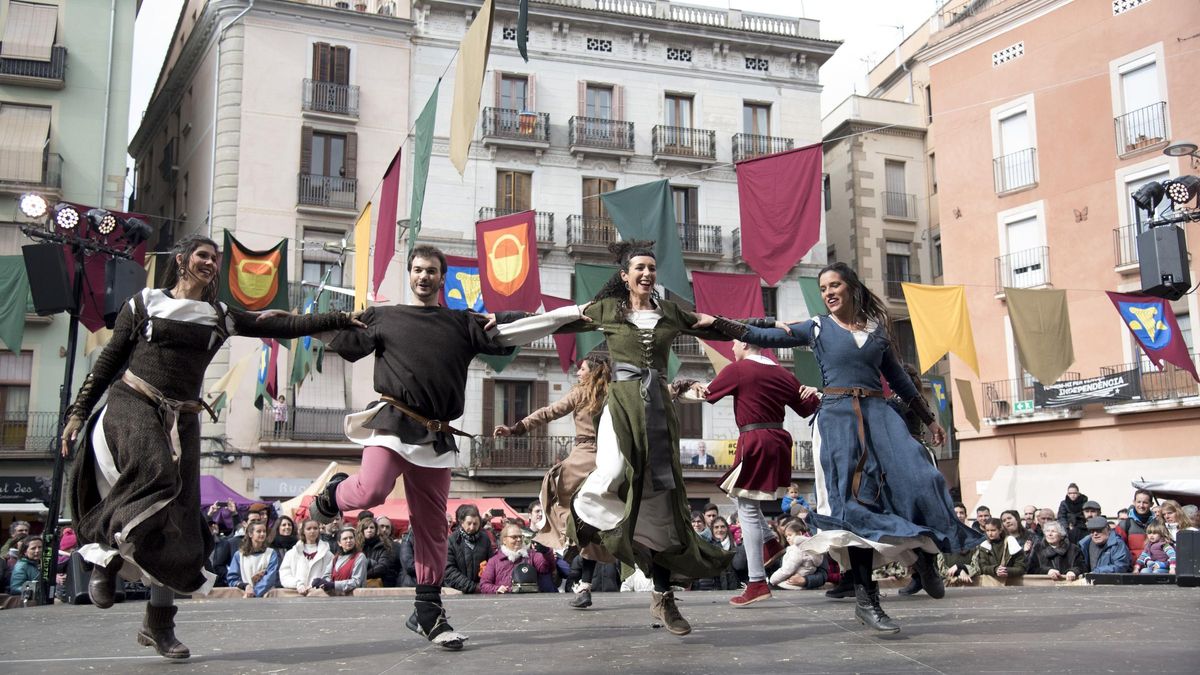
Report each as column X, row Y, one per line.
column 678, row 111
column 26, row 133
column 937, row 256
column 30, row 31
column 1142, row 119
column 1024, row 264
column 593, row 207
column 598, row 101
column 906, row 344
column 16, row 370
column 331, row 63
column 825, row 187
column 687, row 215
column 770, row 300
column 895, row 196
column 512, row 402
column 328, row 154
column 756, row 119
column 514, row 90
column 514, row 191
column 929, row 104
column 1014, row 145
column 691, row 419
column 678, row 54
column 932, row 173
column 899, row 256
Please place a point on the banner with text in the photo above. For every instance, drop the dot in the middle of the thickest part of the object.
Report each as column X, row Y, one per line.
column 1123, row 386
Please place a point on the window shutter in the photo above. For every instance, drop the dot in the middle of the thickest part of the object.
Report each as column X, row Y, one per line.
column 306, row 141
column 531, row 93
column 582, row 98
column 523, row 191
column 619, row 102
column 541, row 399
column 351, row 155
column 341, row 65
column 489, row 406
column 496, row 77
column 320, row 68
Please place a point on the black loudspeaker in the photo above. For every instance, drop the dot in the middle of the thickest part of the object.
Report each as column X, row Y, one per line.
column 122, row 278
column 1187, row 558
column 78, row 573
column 1163, row 258
column 46, row 266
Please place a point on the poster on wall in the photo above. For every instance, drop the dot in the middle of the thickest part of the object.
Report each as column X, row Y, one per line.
column 1111, row 388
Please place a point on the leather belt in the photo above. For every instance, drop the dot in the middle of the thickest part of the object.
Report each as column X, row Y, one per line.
column 856, row 393
column 580, row 440
column 156, row 397
column 760, row 425
column 436, row 426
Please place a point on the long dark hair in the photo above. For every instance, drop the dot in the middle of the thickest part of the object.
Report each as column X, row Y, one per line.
column 867, row 305
column 186, row 247
column 623, row 252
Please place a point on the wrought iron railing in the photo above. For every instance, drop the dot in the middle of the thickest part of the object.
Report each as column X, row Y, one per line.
column 51, row 175
column 1015, row 171
column 587, row 231
column 338, row 302
column 899, row 205
column 1141, row 128
column 329, row 97
column 593, row 132
column 543, row 221
column 519, row 452
column 748, row 146
column 893, row 285
column 304, row 424
column 54, row 69
column 735, row 240
column 516, row 125
column 1125, row 245
column 26, row 433
column 686, row 345
column 684, row 142
column 702, row 239
column 332, row 191
column 1023, row 269
column 1005, row 398
column 1172, row 382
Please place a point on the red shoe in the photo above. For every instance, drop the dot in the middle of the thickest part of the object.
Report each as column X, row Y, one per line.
column 755, row 591
column 772, row 549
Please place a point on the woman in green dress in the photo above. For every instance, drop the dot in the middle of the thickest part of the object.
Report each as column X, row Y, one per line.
column 634, row 502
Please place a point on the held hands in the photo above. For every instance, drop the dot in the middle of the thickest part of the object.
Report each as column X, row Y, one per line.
column 70, row 431
column 502, row 431
column 356, row 321
column 1002, row 571
column 807, row 391
column 699, row 391
column 703, row 320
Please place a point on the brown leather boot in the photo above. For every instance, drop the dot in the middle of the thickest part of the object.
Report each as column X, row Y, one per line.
column 158, row 631
column 662, row 606
column 103, row 583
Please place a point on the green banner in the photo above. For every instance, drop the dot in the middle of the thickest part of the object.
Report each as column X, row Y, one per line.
column 805, row 368
column 647, row 212
column 422, row 149
column 589, row 279
column 812, row 296
column 13, row 302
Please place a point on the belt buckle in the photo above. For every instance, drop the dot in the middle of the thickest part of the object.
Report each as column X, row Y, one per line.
column 434, row 425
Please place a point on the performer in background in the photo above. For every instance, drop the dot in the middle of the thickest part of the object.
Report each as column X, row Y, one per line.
column 136, row 475
column 422, row 352
column 584, row 401
column 762, row 465
column 878, row 497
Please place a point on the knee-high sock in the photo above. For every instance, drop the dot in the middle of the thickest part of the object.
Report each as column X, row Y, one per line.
column 750, row 515
column 861, row 560
column 161, row 596
column 661, row 577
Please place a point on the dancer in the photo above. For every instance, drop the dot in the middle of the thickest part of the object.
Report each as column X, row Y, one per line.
column 585, row 401
column 878, row 497
column 634, row 501
column 422, row 352
column 136, row 475
column 762, row 465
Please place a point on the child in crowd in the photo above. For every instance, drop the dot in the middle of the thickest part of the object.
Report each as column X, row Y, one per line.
column 796, row 562
column 1159, row 555
column 1001, row 557
column 793, row 497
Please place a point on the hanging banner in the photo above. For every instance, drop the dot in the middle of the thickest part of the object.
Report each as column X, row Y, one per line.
column 254, row 280
column 1112, row 388
column 507, row 249
column 779, row 197
column 463, row 291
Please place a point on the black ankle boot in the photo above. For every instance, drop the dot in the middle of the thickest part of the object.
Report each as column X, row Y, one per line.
column 926, row 572
column 102, row 586
column 429, row 621
column 868, row 611
column 158, row 631
column 325, row 506
column 845, row 587
column 913, row 587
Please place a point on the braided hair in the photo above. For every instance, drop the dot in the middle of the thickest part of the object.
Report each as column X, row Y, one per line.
column 867, row 305
column 624, row 252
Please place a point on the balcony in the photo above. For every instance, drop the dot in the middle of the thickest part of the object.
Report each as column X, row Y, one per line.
column 516, row 129
column 543, row 221
column 304, row 424
column 328, row 192
column 590, row 235
column 518, row 456
column 700, row 242
column 28, row 435
column 687, row 346
column 900, row 206
column 1016, row 171
column 1009, row 399
column 749, row 146
column 17, row 177
column 338, row 302
column 48, row 74
column 1141, row 129
column 1169, row 384
column 330, row 98
column 1125, row 251
column 893, row 285
column 595, row 136
column 684, row 144
column 1024, row 269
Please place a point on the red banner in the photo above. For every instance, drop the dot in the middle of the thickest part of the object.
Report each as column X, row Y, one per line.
column 565, row 343
column 1153, row 324
column 91, row 309
column 508, row 269
column 385, row 228
column 780, row 202
column 735, row 296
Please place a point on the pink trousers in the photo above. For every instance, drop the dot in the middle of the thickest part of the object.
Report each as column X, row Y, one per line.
column 426, row 490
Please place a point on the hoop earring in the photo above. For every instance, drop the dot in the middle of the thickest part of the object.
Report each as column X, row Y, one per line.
column 627, row 286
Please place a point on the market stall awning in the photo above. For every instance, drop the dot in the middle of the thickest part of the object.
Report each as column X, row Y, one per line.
column 396, row 510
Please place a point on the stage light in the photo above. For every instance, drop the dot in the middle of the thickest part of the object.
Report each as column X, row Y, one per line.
column 102, row 221
column 65, row 216
column 1182, row 190
column 33, row 205
column 136, row 231
column 1148, row 196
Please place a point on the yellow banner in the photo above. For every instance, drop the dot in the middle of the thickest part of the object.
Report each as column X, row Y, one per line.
column 940, row 324
column 468, row 85
column 362, row 258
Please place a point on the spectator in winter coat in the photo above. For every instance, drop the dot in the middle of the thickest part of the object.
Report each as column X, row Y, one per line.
column 1056, row 556
column 408, row 561
column 1070, row 509
column 1173, row 518
column 468, row 549
column 255, row 567
column 793, row 497
column 348, row 571
column 1159, row 555
column 29, row 551
column 381, row 559
column 606, row 578
column 728, row 579
column 1000, row 556
column 982, row 515
column 1133, row 527
column 1104, row 551
column 797, row 563
column 283, row 535
column 497, row 575
column 309, row 559
column 1079, row 534
column 958, row 569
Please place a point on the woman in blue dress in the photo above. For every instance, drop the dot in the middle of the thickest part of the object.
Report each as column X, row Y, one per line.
column 879, row 499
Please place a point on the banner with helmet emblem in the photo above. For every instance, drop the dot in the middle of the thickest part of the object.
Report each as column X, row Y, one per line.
column 254, row 280
column 507, row 249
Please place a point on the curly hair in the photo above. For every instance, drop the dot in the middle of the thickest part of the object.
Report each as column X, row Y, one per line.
column 186, row 247
column 624, row 252
column 867, row 305
column 594, row 385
